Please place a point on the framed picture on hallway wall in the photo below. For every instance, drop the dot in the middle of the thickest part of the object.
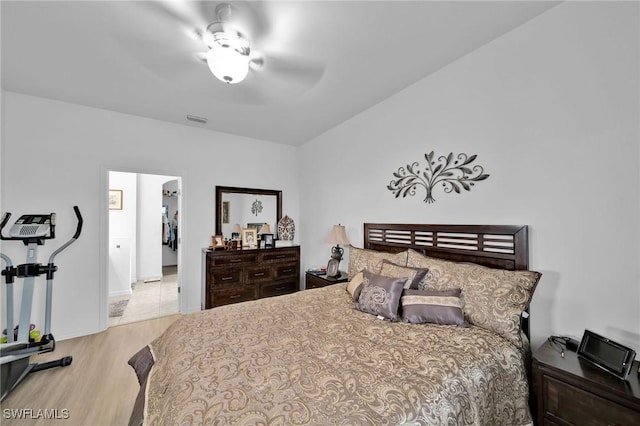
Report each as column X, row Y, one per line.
column 115, row 199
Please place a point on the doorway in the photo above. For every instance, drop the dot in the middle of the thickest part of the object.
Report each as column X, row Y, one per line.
column 144, row 226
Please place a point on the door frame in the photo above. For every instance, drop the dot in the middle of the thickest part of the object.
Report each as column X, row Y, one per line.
column 104, row 235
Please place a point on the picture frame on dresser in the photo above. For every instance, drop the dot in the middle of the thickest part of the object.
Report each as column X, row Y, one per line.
column 217, row 242
column 333, row 268
column 249, row 237
column 268, row 241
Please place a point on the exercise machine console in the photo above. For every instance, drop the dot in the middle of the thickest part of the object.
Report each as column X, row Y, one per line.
column 32, row 230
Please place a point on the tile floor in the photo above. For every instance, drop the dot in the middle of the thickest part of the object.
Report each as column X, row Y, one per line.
column 150, row 300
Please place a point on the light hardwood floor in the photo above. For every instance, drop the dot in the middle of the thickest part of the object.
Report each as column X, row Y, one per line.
column 98, row 388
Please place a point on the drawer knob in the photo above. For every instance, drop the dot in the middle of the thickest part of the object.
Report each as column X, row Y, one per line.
column 287, row 270
column 280, row 288
column 227, row 278
column 258, row 274
column 281, row 256
column 234, row 296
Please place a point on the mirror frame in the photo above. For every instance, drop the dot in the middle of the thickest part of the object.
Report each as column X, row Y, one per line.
column 236, row 190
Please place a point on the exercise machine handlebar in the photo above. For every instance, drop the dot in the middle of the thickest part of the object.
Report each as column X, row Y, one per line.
column 80, row 221
column 75, row 235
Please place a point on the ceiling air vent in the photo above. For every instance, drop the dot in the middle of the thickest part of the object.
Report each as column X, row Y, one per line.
column 197, row 119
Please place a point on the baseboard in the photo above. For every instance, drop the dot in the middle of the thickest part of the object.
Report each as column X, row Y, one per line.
column 120, row 293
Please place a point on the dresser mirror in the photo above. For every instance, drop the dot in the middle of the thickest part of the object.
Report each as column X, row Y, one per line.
column 247, row 207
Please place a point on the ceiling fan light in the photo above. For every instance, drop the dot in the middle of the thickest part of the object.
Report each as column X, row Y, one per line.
column 227, row 64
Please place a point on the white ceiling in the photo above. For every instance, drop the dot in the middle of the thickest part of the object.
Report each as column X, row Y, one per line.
column 135, row 57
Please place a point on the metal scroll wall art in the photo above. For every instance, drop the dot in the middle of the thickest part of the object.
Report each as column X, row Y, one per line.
column 453, row 173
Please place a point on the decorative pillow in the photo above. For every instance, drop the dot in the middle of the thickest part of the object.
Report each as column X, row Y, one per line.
column 380, row 295
column 355, row 286
column 361, row 259
column 436, row 307
column 493, row 298
column 414, row 276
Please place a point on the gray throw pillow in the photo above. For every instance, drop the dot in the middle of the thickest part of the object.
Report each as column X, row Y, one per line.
column 380, row 295
column 431, row 306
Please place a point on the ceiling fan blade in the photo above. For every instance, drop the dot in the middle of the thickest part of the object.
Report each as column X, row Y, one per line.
column 185, row 12
column 248, row 17
column 255, row 17
column 295, row 70
column 170, row 59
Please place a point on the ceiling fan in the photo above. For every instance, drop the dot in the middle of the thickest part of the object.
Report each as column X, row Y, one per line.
column 229, row 31
column 229, row 52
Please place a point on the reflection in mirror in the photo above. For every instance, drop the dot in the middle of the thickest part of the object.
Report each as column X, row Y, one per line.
column 247, row 207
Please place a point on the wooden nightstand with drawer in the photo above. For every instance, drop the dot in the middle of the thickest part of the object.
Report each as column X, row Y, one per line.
column 571, row 391
column 316, row 281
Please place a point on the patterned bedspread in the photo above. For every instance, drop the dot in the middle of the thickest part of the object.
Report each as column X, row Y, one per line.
column 310, row 358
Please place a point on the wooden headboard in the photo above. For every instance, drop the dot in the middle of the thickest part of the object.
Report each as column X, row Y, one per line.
column 495, row 246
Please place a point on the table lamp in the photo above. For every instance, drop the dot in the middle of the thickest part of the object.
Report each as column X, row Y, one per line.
column 338, row 236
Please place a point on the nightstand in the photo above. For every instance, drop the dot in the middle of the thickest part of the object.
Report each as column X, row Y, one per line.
column 570, row 391
column 317, row 281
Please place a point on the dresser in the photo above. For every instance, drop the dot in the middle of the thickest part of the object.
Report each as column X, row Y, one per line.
column 231, row 276
column 570, row 391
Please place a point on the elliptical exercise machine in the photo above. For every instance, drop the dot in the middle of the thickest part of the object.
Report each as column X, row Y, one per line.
column 32, row 230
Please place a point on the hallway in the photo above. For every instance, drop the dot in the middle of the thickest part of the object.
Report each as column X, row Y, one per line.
column 149, row 299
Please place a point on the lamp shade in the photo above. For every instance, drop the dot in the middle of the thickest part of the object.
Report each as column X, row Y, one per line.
column 266, row 229
column 338, row 236
column 236, row 228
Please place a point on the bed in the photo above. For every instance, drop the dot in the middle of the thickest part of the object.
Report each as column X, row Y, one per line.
column 427, row 331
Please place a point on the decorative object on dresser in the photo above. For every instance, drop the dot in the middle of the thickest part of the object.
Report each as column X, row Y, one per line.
column 241, row 275
column 286, row 228
column 337, row 236
column 321, row 280
column 454, row 173
column 570, row 391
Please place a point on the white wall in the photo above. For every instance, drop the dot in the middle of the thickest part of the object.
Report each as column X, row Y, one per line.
column 150, row 246
column 552, row 110
column 123, row 234
column 72, row 147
